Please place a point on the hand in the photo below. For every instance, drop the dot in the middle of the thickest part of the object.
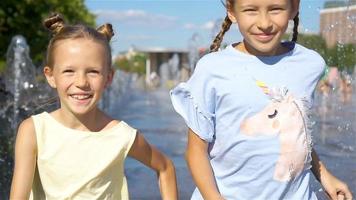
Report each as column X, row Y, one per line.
column 335, row 188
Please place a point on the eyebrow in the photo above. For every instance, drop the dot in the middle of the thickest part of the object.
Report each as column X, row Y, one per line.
column 278, row 5
column 248, row 5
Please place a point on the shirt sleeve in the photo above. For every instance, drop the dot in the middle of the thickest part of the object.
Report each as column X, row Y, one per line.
column 130, row 134
column 317, row 76
column 195, row 102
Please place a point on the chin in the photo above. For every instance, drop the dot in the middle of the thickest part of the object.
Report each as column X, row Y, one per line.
column 82, row 111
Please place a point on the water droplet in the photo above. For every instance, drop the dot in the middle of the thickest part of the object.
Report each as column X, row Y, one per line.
column 339, row 128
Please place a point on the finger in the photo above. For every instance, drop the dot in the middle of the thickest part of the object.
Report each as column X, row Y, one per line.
column 340, row 196
column 333, row 195
column 347, row 193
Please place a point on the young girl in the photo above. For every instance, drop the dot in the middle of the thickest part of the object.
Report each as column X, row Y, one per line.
column 77, row 151
column 247, row 111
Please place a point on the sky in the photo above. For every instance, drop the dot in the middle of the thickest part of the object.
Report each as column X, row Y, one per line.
column 176, row 24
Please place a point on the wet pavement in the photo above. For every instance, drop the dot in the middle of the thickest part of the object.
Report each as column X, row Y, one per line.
column 151, row 112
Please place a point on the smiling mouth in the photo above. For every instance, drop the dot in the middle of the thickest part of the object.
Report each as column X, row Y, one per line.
column 81, row 96
column 264, row 37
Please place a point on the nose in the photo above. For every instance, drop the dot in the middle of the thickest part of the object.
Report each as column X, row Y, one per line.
column 264, row 23
column 81, row 81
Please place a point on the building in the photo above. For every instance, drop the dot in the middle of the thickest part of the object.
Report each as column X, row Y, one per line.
column 338, row 23
column 168, row 63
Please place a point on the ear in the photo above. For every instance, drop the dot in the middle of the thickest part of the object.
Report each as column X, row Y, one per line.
column 231, row 16
column 48, row 72
column 295, row 8
column 110, row 76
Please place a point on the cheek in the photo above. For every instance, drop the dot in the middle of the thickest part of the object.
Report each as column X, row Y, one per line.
column 98, row 83
column 63, row 88
column 275, row 124
column 281, row 21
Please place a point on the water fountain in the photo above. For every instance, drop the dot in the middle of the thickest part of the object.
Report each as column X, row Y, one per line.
column 169, row 72
column 193, row 50
column 335, row 110
column 334, row 134
column 17, row 94
column 19, row 78
column 118, row 92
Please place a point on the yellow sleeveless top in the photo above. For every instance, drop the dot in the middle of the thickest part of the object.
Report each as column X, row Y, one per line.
column 73, row 164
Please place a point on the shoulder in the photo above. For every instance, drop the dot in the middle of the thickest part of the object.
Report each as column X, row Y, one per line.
column 214, row 62
column 27, row 125
column 308, row 61
column 26, row 135
column 311, row 56
column 126, row 128
column 217, row 57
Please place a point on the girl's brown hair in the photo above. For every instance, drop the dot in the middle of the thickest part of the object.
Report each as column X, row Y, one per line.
column 227, row 23
column 61, row 31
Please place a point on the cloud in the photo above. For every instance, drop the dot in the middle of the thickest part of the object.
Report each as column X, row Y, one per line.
column 139, row 37
column 190, row 26
column 136, row 17
column 209, row 25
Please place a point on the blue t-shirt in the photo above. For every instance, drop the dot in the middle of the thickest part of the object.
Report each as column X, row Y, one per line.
column 253, row 112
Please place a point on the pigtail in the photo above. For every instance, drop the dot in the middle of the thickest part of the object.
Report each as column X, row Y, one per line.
column 54, row 23
column 106, row 30
column 219, row 37
column 295, row 28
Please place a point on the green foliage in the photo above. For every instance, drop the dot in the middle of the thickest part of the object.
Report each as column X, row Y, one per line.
column 25, row 18
column 6, row 160
column 331, row 57
column 345, row 56
column 315, row 42
column 135, row 63
column 342, row 56
column 334, row 4
column 2, row 66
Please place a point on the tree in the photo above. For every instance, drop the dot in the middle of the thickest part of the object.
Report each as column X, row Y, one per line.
column 135, row 63
column 25, row 17
column 346, row 58
column 342, row 56
column 315, row 42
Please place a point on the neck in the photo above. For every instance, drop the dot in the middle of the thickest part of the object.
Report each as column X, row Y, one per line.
column 248, row 49
column 93, row 121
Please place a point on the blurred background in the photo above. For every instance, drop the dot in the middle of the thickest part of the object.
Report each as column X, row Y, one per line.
column 156, row 45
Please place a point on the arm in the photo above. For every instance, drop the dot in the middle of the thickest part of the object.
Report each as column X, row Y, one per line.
column 199, row 165
column 335, row 188
column 142, row 151
column 25, row 161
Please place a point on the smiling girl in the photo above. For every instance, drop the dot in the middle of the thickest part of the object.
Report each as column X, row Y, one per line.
column 78, row 151
column 247, row 111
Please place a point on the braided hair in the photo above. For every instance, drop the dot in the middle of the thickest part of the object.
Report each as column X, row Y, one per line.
column 295, row 27
column 227, row 23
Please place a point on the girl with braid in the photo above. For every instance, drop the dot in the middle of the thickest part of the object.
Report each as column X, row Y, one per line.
column 78, row 151
column 247, row 108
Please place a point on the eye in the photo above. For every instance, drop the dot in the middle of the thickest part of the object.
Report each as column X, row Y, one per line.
column 94, row 71
column 273, row 115
column 276, row 10
column 68, row 71
column 250, row 10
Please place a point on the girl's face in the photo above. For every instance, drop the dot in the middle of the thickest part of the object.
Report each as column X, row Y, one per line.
column 262, row 23
column 80, row 74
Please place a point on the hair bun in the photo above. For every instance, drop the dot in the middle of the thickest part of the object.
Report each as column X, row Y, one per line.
column 54, row 23
column 106, row 30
